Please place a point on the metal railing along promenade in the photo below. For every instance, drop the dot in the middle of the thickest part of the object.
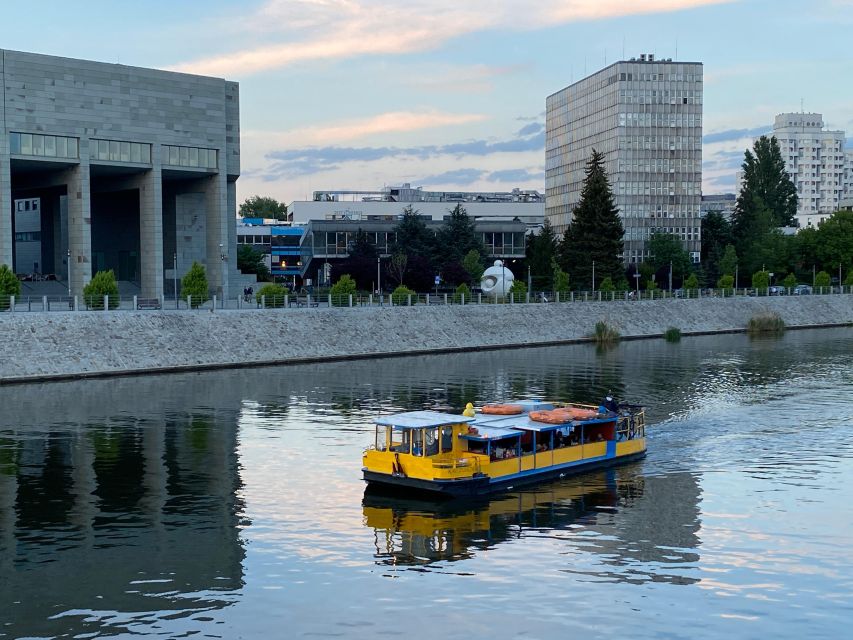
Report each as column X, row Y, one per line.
column 44, row 304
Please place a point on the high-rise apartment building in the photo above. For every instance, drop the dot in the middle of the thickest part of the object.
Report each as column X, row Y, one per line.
column 815, row 161
column 645, row 115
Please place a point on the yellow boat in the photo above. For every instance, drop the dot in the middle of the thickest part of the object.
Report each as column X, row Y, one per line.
column 494, row 450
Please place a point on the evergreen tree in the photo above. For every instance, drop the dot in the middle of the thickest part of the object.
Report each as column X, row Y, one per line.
column 417, row 242
column 195, row 284
column 595, row 234
column 728, row 263
column 666, row 250
column 767, row 200
column 456, row 237
column 473, row 263
column 716, row 234
column 541, row 251
column 360, row 263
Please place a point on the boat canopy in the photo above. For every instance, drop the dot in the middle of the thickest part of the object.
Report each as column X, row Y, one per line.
column 487, row 433
column 524, row 423
column 421, row 419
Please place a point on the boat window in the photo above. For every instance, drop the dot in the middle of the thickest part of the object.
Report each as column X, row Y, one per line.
column 418, row 442
column 432, row 437
column 446, row 439
column 382, row 435
column 400, row 440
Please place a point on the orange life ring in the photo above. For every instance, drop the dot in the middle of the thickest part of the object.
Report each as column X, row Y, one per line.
column 502, row 409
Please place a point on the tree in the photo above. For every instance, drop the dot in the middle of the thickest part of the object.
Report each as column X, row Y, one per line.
column 666, row 250
column 716, row 236
column 518, row 290
column 463, row 293
column 726, row 282
column 595, row 234
column 416, row 241
column 456, row 237
column 790, row 281
column 397, row 267
column 541, row 250
column 835, row 241
column 360, row 263
column 561, row 279
column 822, row 279
column 342, row 289
column 692, row 282
column 263, row 207
column 728, row 263
column 9, row 285
column 760, row 280
column 454, row 273
column 607, row 285
column 250, row 260
column 473, row 264
column 102, row 284
column 194, row 284
column 767, row 200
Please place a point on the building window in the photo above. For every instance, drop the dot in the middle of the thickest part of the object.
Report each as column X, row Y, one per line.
column 46, row 146
column 119, row 151
column 189, row 157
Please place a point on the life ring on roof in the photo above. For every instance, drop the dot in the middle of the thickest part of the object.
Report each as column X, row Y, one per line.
column 502, row 409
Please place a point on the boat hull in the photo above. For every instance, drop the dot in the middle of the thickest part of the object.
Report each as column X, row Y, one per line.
column 485, row 485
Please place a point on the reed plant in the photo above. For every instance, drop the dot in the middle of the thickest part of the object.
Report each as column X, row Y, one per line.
column 605, row 333
column 765, row 323
column 673, row 334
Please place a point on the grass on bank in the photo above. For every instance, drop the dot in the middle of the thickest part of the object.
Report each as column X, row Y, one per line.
column 765, row 323
column 605, row 333
column 673, row 334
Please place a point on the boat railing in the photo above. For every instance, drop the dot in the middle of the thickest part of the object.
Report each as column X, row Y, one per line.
column 458, row 463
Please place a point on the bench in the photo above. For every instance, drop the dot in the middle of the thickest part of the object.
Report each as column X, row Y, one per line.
column 148, row 304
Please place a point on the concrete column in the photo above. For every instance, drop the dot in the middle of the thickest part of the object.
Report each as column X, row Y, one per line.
column 6, row 238
column 79, row 223
column 150, row 185
column 217, row 223
column 84, row 485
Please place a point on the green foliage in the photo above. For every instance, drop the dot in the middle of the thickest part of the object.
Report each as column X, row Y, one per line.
column 716, row 235
column 102, row 284
column 760, row 280
column 835, row 241
column 726, row 282
column 263, row 207
column 790, row 281
column 605, row 333
column 765, row 323
column 692, row 282
column 272, row 294
column 9, row 285
column 651, row 285
column 822, row 279
column 400, row 296
column 518, row 290
column 473, row 264
column 456, row 237
column 561, row 279
column 250, row 260
column 673, row 334
column 596, row 233
column 462, row 290
column 607, row 285
column 848, row 281
column 194, row 284
column 622, row 284
column 541, row 251
column 667, row 249
column 343, row 288
column 397, row 267
column 728, row 263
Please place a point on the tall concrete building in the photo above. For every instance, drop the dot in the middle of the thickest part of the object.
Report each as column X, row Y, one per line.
column 133, row 170
column 645, row 115
column 815, row 161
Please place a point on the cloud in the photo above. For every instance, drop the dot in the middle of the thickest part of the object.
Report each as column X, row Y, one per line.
column 515, row 175
column 730, row 135
column 462, row 79
column 455, row 176
column 531, row 129
column 340, row 29
column 347, row 130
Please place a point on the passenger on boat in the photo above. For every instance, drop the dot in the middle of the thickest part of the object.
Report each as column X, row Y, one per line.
column 610, row 403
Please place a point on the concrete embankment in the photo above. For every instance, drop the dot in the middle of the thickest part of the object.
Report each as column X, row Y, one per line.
column 40, row 346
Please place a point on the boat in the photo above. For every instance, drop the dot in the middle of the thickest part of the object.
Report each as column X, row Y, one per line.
column 478, row 453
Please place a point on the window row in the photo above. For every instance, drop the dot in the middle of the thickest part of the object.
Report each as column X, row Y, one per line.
column 189, row 157
column 658, row 188
column 244, row 239
column 660, row 120
column 33, row 144
column 116, row 151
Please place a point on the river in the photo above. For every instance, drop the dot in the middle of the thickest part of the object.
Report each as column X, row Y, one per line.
column 230, row 505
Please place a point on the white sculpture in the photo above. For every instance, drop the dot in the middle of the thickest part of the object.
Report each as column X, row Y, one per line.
column 497, row 280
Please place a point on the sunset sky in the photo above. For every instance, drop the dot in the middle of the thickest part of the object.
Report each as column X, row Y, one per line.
column 357, row 94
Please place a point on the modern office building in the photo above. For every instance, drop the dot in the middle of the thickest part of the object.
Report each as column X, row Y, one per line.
column 815, row 161
column 645, row 115
column 133, row 170
column 722, row 203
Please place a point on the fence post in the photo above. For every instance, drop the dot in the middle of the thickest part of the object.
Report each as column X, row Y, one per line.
column 370, row 299
column 445, row 299
column 214, row 302
column 572, row 296
column 479, row 298
column 427, row 299
column 12, row 303
column 330, row 300
column 44, row 306
column 106, row 303
column 527, row 297
column 462, row 299
column 135, row 303
column 263, row 302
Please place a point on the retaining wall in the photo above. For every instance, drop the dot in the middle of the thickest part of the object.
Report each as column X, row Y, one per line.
column 38, row 346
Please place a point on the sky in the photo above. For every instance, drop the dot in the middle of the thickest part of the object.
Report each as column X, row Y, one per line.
column 359, row 94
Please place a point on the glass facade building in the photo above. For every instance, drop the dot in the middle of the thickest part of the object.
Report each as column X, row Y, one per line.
column 645, row 115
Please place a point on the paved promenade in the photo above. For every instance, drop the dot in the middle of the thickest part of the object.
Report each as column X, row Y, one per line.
column 38, row 346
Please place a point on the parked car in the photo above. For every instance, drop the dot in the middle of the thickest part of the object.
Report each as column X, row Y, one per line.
column 801, row 290
column 776, row 290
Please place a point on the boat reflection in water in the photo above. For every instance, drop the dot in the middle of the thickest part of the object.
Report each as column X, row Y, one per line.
column 615, row 506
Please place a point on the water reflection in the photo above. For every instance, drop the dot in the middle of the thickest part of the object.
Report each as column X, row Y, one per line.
column 605, row 513
column 119, row 522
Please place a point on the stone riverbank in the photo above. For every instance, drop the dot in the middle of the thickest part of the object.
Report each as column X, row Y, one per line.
column 45, row 346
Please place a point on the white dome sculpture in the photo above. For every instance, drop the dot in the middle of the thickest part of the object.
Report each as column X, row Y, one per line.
column 497, row 280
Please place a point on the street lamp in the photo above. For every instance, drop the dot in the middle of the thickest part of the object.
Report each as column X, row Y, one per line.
column 593, row 276
column 670, row 277
column 175, row 276
column 68, row 260
column 378, row 277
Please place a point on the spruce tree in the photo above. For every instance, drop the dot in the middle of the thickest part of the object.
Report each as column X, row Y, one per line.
column 541, row 251
column 596, row 231
column 456, row 237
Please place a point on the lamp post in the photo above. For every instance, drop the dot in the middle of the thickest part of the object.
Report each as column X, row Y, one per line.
column 593, row 276
column 503, row 279
column 68, row 260
column 670, row 278
column 637, row 280
column 378, row 277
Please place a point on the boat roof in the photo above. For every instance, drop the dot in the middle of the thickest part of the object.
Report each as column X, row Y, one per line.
column 485, row 433
column 524, row 423
column 421, row 419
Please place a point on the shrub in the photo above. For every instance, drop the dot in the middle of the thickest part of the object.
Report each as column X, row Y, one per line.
column 765, row 323
column 726, row 282
column 342, row 289
column 462, row 290
column 102, row 284
column 790, row 281
column 272, row 294
column 561, row 280
column 693, row 282
column 822, row 279
column 651, row 285
column 604, row 333
column 400, row 295
column 848, row 281
column 760, row 280
column 9, row 285
column 518, row 290
column 622, row 284
column 673, row 334
column 194, row 284
column 607, row 285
